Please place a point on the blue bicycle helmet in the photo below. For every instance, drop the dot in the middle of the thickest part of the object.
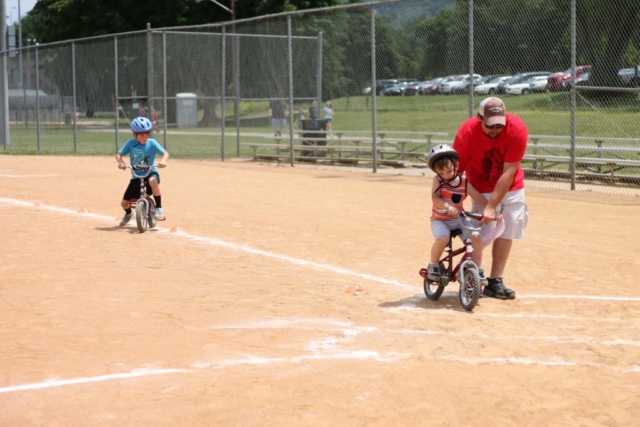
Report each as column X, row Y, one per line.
column 141, row 124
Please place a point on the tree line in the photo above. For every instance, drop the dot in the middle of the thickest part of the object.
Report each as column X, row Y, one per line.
column 413, row 39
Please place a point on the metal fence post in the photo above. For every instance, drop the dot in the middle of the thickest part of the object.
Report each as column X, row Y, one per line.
column 471, row 53
column 73, row 113
column 572, row 157
column 4, row 110
column 319, row 73
column 223, row 96
column 117, row 95
column 37, row 100
column 164, row 87
column 290, row 72
column 374, row 126
column 236, row 85
column 149, row 70
column 5, row 100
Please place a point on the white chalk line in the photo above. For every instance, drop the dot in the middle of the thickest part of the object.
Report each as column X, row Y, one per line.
column 59, row 383
column 292, row 260
column 322, row 348
column 221, row 243
column 362, row 355
column 416, row 303
column 44, row 175
column 350, row 329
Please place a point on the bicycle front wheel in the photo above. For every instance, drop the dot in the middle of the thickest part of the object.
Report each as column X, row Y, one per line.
column 470, row 289
column 142, row 210
column 152, row 213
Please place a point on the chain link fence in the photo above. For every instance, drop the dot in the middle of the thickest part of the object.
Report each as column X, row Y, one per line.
column 401, row 76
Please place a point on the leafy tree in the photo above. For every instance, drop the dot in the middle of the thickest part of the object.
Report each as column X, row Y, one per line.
column 58, row 20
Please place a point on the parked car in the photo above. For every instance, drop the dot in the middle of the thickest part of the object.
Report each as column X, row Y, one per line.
column 489, row 86
column 412, row 88
column 396, row 90
column 556, row 80
column 583, row 80
column 522, row 88
column 383, row 84
column 630, row 76
column 433, row 86
column 459, row 85
column 380, row 85
column 538, row 84
column 519, row 78
column 424, row 87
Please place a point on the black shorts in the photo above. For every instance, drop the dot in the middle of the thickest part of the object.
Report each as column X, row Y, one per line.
column 133, row 190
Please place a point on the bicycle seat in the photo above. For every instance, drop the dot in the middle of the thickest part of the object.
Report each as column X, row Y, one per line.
column 456, row 232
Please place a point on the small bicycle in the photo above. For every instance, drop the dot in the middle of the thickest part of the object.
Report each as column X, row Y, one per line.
column 466, row 272
column 145, row 205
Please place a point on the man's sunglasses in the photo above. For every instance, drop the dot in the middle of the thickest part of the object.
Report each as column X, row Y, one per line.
column 494, row 126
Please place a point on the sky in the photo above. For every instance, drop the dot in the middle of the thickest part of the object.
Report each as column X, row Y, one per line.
column 12, row 9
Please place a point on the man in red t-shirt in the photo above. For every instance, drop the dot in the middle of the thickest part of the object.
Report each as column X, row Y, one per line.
column 491, row 147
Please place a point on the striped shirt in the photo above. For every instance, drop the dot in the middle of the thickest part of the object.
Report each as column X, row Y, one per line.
column 453, row 195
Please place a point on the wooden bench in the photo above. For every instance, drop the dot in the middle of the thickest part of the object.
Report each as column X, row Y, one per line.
column 327, row 152
column 591, row 161
column 592, row 167
column 396, row 146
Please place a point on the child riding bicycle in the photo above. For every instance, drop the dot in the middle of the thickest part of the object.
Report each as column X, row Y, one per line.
column 448, row 192
column 142, row 151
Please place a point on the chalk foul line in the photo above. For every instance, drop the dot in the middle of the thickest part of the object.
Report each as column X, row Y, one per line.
column 297, row 261
column 75, row 381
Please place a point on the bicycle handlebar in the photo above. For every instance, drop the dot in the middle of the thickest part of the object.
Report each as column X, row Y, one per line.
column 148, row 168
column 461, row 215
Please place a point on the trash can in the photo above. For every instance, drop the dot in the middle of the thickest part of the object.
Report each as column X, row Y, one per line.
column 67, row 117
column 134, row 109
column 187, row 110
column 308, row 128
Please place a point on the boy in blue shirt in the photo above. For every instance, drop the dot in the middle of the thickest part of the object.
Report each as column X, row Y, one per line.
column 142, row 150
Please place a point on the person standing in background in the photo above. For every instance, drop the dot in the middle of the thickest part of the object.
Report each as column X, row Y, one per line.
column 277, row 113
column 142, row 111
column 328, row 116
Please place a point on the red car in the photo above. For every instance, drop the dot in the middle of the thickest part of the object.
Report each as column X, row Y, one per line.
column 556, row 81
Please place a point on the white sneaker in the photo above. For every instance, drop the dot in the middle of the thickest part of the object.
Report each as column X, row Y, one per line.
column 125, row 219
column 159, row 214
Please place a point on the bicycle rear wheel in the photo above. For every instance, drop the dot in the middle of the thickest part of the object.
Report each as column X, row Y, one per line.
column 470, row 289
column 432, row 289
column 141, row 215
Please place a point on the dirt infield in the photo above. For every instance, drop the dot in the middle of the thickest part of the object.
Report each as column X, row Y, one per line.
column 240, row 317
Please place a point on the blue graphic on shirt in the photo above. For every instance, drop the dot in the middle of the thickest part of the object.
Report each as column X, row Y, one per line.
column 142, row 154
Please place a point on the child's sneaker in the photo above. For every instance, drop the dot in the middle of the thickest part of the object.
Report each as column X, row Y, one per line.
column 433, row 272
column 159, row 214
column 125, row 219
column 483, row 280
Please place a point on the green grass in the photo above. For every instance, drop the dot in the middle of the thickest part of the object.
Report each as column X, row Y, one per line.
column 545, row 114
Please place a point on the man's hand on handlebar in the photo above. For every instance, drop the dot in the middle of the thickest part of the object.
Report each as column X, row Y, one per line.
column 122, row 166
column 490, row 214
column 162, row 165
